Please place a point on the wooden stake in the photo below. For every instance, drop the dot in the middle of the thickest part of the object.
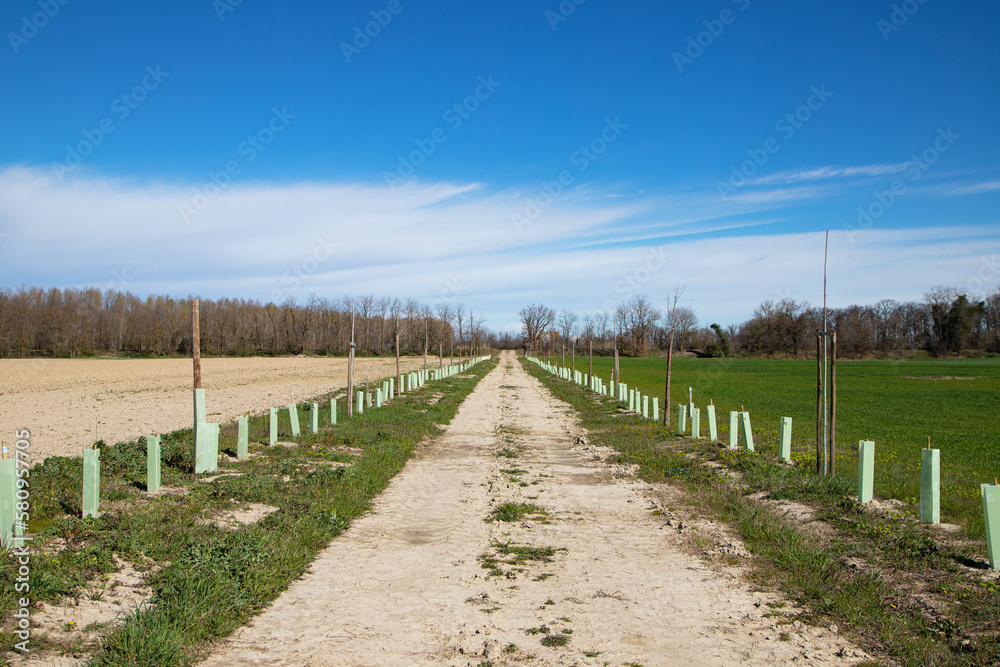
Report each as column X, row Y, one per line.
column 819, row 403
column 590, row 370
column 666, row 390
column 350, row 367
column 196, row 343
column 928, row 442
column 833, row 404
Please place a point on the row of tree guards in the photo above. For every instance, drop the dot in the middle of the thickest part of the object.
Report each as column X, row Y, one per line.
column 826, row 394
column 206, row 436
column 740, row 430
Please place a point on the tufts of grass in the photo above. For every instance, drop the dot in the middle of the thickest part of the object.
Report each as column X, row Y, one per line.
column 555, row 641
column 883, row 605
column 511, row 511
column 211, row 580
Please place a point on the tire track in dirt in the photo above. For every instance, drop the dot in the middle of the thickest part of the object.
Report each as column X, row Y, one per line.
column 406, row 584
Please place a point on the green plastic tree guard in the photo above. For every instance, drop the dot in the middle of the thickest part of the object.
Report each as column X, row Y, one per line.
column 930, row 486
column 713, row 430
column 747, row 432
column 152, row 463
column 378, row 397
column 243, row 437
column 656, row 409
column 695, row 423
column 199, row 418
column 682, row 418
column 8, row 501
column 991, row 516
column 207, row 448
column 360, row 403
column 273, row 425
column 866, row 470
column 333, row 411
column 91, row 482
column 645, row 407
column 293, row 417
column 199, row 411
column 631, row 400
column 734, row 430
column 314, row 418
column 785, row 440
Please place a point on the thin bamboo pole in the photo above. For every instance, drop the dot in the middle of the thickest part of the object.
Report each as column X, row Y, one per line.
column 833, row 404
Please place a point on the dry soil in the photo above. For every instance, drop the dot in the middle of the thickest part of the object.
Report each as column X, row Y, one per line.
column 405, row 585
column 68, row 404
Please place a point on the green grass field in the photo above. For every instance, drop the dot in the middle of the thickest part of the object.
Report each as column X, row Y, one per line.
column 896, row 404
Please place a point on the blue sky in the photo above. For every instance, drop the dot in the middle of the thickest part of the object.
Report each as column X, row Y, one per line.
column 499, row 154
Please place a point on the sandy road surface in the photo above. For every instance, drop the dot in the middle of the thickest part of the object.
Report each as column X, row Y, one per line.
column 403, row 585
column 61, row 400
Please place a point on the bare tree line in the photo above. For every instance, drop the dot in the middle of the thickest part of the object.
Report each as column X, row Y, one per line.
column 80, row 322
column 947, row 321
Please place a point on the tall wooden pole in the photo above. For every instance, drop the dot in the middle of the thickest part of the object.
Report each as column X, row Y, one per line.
column 833, row 405
column 615, row 375
column 196, row 343
column 440, row 354
column 350, row 367
column 399, row 384
column 590, row 370
column 819, row 402
column 826, row 332
column 666, row 390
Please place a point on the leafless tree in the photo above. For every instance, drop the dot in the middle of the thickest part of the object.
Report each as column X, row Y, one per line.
column 535, row 320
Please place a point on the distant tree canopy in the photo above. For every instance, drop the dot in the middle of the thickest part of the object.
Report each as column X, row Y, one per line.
column 948, row 321
column 78, row 322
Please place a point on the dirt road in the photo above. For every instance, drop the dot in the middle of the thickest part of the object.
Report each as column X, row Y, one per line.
column 61, row 401
column 406, row 584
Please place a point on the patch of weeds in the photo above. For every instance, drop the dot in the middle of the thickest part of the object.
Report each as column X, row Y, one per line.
column 550, row 601
column 511, row 511
column 592, row 654
column 514, row 474
column 785, row 637
column 490, row 610
column 510, row 648
column 555, row 641
column 526, row 553
column 507, row 453
column 543, row 576
column 540, row 630
column 218, row 578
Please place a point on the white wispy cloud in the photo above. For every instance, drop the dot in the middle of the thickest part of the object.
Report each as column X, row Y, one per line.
column 975, row 189
column 456, row 241
column 828, row 172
